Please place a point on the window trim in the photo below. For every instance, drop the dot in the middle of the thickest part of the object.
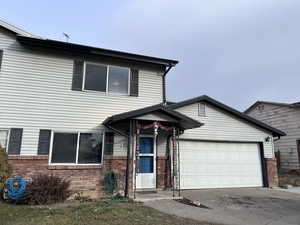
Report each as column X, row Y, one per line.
column 107, row 78
column 8, row 136
column 77, row 149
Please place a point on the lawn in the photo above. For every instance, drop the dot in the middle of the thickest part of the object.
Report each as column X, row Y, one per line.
column 88, row 214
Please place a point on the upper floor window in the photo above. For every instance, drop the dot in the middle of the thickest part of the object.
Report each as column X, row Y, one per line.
column 112, row 79
column 201, row 109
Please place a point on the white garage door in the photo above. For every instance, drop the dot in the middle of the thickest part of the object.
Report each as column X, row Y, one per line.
column 219, row 165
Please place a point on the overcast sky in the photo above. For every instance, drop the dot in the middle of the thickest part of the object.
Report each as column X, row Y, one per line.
column 236, row 51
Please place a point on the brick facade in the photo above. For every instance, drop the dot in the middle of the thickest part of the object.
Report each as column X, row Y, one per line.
column 272, row 172
column 86, row 179
column 163, row 173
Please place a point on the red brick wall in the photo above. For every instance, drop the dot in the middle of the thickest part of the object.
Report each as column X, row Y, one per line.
column 86, row 179
column 272, row 172
column 163, row 173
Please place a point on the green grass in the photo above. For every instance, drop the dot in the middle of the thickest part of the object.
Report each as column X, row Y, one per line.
column 88, row 214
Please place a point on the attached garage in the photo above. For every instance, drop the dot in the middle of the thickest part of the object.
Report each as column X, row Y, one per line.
column 219, row 165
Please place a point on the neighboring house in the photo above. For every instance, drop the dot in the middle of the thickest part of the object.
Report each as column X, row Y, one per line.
column 285, row 117
column 80, row 111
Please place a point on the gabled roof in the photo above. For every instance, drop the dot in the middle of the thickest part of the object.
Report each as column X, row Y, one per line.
column 72, row 47
column 32, row 40
column 183, row 121
column 296, row 104
column 16, row 30
column 231, row 111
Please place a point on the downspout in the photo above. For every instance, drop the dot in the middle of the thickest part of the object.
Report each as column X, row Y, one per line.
column 164, row 84
column 128, row 156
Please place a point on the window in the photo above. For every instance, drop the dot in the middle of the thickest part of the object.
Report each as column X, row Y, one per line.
column 64, row 148
column 4, row 138
column 201, row 109
column 90, row 148
column 118, row 80
column 112, row 79
column 77, row 148
column 95, row 77
column 260, row 108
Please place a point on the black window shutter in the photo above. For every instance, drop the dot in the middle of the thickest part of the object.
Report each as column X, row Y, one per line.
column 77, row 75
column 44, row 142
column 15, row 141
column 1, row 56
column 109, row 143
column 134, row 82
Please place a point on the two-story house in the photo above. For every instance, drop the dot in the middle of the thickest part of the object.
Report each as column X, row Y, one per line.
column 285, row 117
column 79, row 111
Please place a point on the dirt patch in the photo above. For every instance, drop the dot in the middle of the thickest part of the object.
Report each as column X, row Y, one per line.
column 236, row 202
column 289, row 177
column 191, row 203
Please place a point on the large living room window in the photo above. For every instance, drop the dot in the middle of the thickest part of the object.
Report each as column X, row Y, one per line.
column 77, row 148
column 4, row 138
column 104, row 78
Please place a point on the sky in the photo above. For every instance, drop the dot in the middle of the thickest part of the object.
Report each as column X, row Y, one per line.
column 236, row 51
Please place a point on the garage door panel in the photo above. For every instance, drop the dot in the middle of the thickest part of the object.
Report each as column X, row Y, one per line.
column 217, row 165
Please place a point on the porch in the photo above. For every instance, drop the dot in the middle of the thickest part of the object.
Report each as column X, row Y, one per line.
column 153, row 150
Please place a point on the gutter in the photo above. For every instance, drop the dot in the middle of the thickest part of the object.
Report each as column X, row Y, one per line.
column 278, row 138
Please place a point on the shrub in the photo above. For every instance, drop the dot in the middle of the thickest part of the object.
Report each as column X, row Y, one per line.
column 110, row 182
column 47, row 189
column 5, row 170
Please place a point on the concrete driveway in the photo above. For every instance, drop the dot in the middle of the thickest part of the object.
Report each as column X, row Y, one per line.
column 243, row 206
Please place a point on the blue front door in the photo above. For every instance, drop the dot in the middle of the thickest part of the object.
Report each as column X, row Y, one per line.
column 146, row 171
column 146, row 155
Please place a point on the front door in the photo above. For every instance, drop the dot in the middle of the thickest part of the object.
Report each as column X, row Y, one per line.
column 146, row 173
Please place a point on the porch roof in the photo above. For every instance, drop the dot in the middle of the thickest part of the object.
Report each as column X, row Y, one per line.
column 181, row 120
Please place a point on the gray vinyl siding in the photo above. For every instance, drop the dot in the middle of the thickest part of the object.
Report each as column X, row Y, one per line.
column 35, row 90
column 221, row 126
column 286, row 119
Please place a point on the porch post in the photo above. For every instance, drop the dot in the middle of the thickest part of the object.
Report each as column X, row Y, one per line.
column 136, row 154
column 174, row 160
column 178, row 160
column 129, row 138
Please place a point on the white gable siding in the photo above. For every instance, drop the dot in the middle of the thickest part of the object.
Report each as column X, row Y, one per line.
column 35, row 90
column 221, row 126
column 156, row 116
column 286, row 119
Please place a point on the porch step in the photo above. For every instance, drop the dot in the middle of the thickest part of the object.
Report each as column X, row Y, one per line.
column 146, row 192
column 146, row 196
